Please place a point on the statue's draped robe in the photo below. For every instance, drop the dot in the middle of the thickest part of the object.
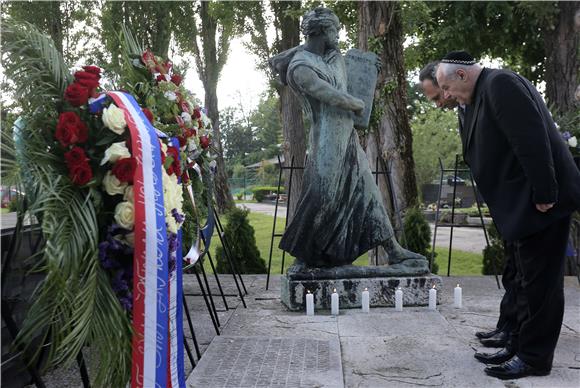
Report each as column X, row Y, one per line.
column 340, row 215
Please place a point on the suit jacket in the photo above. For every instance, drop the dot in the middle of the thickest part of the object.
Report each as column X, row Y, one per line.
column 517, row 156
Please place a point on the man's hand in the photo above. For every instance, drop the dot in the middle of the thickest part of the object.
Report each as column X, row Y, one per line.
column 544, row 207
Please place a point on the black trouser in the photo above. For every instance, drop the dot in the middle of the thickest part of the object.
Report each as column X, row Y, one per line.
column 539, row 261
column 508, row 307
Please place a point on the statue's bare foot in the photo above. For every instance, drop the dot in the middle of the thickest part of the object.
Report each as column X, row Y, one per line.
column 401, row 254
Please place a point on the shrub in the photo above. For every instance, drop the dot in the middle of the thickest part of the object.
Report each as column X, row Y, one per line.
column 493, row 256
column 241, row 240
column 417, row 234
column 13, row 205
column 260, row 192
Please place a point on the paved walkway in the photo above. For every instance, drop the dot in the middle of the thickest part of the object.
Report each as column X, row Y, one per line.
column 272, row 347
column 265, row 345
column 464, row 239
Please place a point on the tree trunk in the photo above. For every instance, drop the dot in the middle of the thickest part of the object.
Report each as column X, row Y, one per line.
column 294, row 145
column 223, row 196
column 389, row 138
column 561, row 44
column 161, row 29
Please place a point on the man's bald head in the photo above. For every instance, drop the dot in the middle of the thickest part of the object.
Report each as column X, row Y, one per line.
column 458, row 80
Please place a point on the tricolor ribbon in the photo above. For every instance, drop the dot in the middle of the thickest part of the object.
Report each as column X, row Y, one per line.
column 151, row 284
column 176, row 375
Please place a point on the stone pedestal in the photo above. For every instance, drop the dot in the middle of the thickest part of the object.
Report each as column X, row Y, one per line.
column 351, row 282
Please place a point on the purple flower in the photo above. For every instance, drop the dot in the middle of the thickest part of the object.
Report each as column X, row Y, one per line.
column 105, row 258
column 119, row 283
column 172, row 242
column 178, row 217
column 566, row 135
column 127, row 303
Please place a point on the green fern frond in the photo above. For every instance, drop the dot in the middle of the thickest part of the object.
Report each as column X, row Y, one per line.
column 34, row 64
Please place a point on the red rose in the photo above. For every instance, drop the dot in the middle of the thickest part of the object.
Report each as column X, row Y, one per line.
column 124, row 169
column 199, row 123
column 175, row 166
column 81, row 174
column 204, row 141
column 176, row 79
column 75, row 157
column 148, row 114
column 190, row 132
column 196, row 113
column 70, row 129
column 160, row 78
column 76, row 94
column 88, row 80
column 184, row 177
column 182, row 141
column 93, row 69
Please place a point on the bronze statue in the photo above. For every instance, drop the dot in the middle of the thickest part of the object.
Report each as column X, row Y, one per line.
column 340, row 215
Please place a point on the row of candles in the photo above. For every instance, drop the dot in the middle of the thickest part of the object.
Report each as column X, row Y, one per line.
column 365, row 302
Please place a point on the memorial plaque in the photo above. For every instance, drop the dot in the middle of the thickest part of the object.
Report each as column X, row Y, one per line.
column 269, row 362
column 362, row 75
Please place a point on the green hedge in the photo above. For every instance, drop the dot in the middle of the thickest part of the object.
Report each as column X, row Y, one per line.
column 260, row 192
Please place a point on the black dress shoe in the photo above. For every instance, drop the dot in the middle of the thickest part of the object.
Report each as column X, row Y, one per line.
column 486, row 334
column 498, row 340
column 515, row 369
column 494, row 358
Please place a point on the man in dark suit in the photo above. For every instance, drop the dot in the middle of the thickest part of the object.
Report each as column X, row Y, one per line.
column 528, row 178
column 507, row 317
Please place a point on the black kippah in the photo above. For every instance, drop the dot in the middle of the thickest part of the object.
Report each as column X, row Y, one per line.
column 458, row 57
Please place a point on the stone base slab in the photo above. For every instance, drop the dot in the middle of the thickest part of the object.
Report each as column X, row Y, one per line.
column 381, row 289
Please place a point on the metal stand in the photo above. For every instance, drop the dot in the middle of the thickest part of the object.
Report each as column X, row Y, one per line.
column 274, row 234
column 452, row 225
column 392, row 196
column 229, row 258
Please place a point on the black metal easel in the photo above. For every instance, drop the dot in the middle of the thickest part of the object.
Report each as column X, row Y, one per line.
column 386, row 170
column 7, row 317
column 452, row 225
column 288, row 195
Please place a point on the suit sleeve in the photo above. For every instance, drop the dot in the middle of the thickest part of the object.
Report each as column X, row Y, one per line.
column 519, row 118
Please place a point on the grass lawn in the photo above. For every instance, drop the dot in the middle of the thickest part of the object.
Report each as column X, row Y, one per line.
column 462, row 263
column 4, row 210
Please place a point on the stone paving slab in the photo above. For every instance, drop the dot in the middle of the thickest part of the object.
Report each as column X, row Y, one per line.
column 388, row 322
column 398, row 361
column 417, row 347
column 265, row 361
column 247, row 323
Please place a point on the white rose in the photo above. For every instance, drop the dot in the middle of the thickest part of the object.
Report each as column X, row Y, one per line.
column 173, row 199
column 191, row 144
column 113, row 185
column 573, row 142
column 114, row 119
column 171, row 96
column 115, row 152
column 206, row 120
column 186, row 117
column 125, row 215
column 129, row 195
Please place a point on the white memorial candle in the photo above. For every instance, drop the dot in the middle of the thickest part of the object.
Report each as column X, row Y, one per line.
column 433, row 299
column 309, row 304
column 365, row 301
column 334, row 303
column 457, row 297
column 399, row 299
